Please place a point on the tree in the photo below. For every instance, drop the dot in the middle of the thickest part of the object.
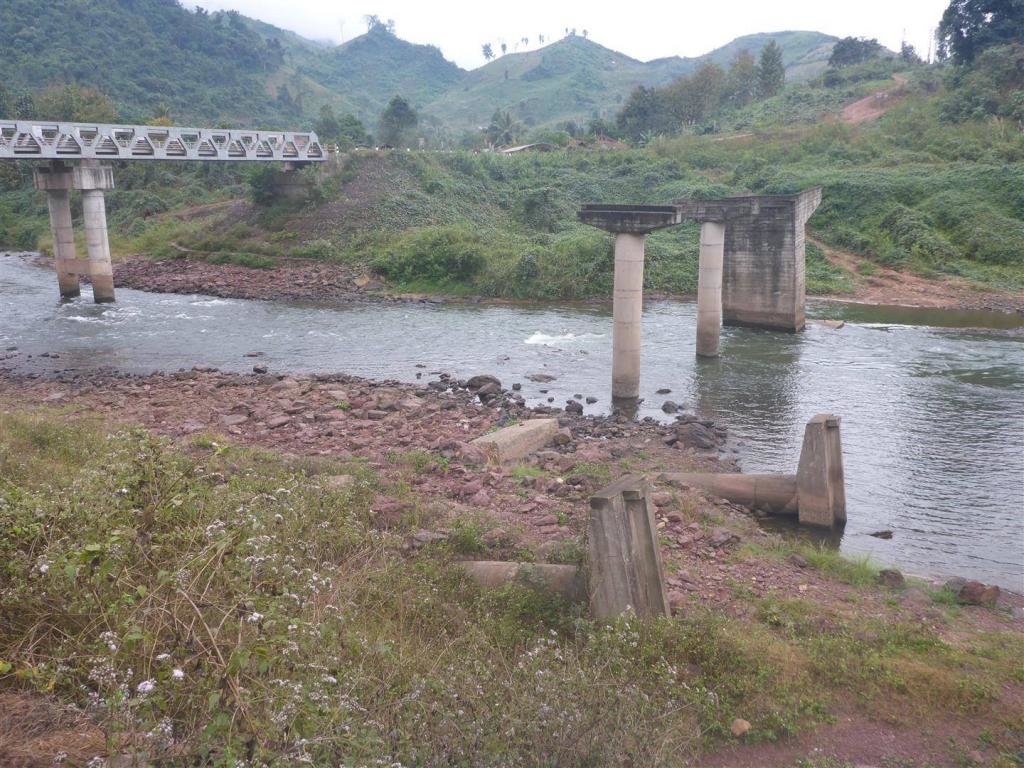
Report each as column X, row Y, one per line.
column 504, row 49
column 908, row 54
column 73, row 103
column 969, row 26
column 487, row 51
column 503, row 129
column 771, row 73
column 396, row 121
column 853, row 50
column 352, row 132
column 326, row 125
column 641, row 112
column 741, row 82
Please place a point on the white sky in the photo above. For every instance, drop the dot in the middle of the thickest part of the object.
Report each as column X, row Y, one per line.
column 657, row 29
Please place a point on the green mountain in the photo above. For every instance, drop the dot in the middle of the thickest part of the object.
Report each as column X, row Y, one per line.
column 225, row 68
column 575, row 78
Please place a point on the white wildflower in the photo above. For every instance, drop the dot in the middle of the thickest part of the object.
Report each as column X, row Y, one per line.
column 146, row 686
column 178, row 674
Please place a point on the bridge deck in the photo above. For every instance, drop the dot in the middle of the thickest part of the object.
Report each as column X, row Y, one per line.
column 41, row 140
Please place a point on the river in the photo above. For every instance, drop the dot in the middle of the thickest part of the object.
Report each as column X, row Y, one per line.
column 932, row 402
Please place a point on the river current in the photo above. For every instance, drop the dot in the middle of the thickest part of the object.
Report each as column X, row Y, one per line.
column 932, row 409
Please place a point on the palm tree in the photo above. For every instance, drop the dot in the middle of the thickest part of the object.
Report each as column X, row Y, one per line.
column 503, row 129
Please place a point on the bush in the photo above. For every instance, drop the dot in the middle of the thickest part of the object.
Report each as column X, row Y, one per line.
column 443, row 254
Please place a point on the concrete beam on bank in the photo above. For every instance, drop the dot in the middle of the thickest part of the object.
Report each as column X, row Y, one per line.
column 514, row 443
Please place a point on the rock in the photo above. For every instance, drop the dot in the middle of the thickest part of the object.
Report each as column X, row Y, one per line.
column 890, row 577
column 540, row 378
column 234, row 419
column 573, row 406
column 676, row 600
column 339, row 482
column 516, row 387
column 720, row 537
column 739, row 727
column 661, row 498
column 591, row 400
column 955, row 584
column 278, row 421
column 376, row 415
column 476, row 382
column 562, row 437
column 798, row 560
column 663, row 391
column 670, row 407
column 833, row 324
column 881, row 534
column 480, row 499
column 423, row 537
column 490, row 389
column 976, row 593
column 259, row 369
column 695, row 435
column 411, row 403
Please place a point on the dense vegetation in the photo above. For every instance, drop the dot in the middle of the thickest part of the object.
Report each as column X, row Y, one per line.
column 209, row 604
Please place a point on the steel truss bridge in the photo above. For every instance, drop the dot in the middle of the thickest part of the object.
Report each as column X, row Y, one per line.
column 40, row 140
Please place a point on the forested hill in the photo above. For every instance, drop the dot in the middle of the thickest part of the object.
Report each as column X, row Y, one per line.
column 154, row 57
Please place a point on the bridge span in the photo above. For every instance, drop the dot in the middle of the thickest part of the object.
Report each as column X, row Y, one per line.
column 75, row 156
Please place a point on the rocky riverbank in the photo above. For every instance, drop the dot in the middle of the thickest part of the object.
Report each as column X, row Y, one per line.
column 409, row 449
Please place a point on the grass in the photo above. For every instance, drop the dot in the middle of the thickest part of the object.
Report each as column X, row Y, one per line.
column 218, row 604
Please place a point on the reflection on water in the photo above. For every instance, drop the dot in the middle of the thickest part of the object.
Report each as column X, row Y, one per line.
column 933, row 416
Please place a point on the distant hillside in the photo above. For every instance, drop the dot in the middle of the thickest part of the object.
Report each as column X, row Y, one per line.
column 575, row 78
column 225, row 68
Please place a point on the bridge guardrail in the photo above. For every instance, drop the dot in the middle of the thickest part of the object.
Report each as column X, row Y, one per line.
column 45, row 140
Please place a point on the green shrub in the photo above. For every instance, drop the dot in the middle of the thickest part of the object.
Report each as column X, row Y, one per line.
column 443, row 254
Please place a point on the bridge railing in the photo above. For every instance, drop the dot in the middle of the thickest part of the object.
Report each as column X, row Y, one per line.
column 41, row 140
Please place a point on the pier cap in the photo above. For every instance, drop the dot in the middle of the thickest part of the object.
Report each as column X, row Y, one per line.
column 633, row 219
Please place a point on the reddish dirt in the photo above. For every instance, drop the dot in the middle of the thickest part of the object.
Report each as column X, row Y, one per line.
column 892, row 287
column 298, row 416
column 874, row 106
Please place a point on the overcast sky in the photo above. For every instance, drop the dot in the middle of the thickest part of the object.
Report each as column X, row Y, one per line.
column 656, row 29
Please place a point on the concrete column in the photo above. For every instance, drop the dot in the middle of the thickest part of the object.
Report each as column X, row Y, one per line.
column 627, row 309
column 821, row 486
column 93, row 178
column 709, row 288
column 59, row 203
column 94, row 211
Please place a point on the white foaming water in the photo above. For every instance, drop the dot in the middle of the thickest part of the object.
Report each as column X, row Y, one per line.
column 548, row 340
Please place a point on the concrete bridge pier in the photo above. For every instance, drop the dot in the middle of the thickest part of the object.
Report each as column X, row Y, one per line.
column 709, row 288
column 57, row 180
column 627, row 311
column 93, row 178
column 630, row 224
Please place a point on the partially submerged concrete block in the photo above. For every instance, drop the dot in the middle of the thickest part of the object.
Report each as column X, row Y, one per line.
column 816, row 493
column 625, row 560
column 820, row 485
column 516, row 442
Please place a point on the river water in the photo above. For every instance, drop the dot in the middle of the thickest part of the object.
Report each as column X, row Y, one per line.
column 932, row 410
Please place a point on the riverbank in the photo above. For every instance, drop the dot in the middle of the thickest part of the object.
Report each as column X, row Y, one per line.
column 318, row 280
column 809, row 650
